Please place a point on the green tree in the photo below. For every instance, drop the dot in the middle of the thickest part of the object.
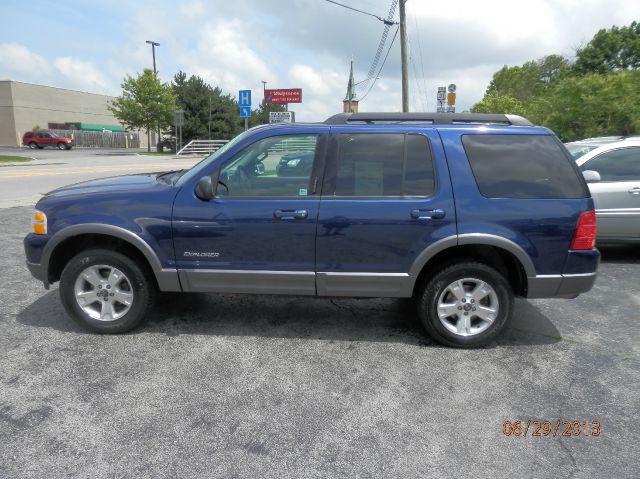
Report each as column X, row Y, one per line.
column 209, row 114
column 496, row 103
column 596, row 105
column 529, row 80
column 598, row 95
column 145, row 103
column 610, row 50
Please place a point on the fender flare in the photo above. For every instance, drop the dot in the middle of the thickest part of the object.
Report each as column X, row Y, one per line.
column 472, row 239
column 167, row 278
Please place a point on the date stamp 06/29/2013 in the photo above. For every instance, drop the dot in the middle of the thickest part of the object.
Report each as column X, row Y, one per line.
column 552, row 428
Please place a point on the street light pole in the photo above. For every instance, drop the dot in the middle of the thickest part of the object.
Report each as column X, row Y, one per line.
column 403, row 57
column 155, row 72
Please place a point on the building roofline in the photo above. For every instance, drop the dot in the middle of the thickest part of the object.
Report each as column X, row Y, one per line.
column 10, row 80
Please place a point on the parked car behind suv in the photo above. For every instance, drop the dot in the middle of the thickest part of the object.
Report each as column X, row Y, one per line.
column 613, row 174
column 582, row 147
column 42, row 139
column 460, row 212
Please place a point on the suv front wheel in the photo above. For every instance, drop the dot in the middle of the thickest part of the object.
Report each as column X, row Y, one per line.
column 465, row 305
column 105, row 291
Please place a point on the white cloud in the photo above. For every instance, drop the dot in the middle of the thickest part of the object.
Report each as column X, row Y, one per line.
column 18, row 59
column 223, row 58
column 82, row 74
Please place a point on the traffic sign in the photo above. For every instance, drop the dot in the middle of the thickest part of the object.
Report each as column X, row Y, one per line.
column 452, row 88
column 441, row 103
column 179, row 117
column 281, row 117
column 451, row 99
column 245, row 112
column 441, row 95
column 244, row 98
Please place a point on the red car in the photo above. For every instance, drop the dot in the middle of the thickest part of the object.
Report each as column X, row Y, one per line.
column 40, row 139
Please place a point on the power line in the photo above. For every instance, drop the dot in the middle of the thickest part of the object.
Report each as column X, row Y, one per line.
column 386, row 22
column 383, row 63
column 424, row 80
column 381, row 45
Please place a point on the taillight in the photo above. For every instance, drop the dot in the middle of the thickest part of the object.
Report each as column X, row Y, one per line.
column 584, row 236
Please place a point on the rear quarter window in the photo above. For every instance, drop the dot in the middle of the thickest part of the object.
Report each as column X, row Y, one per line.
column 522, row 166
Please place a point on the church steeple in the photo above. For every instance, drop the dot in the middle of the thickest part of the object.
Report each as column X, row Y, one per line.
column 350, row 102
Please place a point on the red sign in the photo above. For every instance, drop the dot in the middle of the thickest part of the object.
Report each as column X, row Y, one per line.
column 286, row 95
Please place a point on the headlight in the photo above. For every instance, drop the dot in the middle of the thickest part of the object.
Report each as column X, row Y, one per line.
column 39, row 223
column 293, row 162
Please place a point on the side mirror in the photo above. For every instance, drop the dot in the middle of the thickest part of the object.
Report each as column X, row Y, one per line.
column 204, row 189
column 591, row 176
column 259, row 169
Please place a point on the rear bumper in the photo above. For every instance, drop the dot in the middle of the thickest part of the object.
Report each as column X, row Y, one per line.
column 561, row 285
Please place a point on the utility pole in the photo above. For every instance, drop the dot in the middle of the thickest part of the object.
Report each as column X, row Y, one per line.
column 155, row 73
column 403, row 57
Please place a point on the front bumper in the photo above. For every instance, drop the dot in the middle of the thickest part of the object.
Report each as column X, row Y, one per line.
column 33, row 247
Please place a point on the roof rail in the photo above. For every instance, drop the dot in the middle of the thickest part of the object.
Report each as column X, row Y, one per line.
column 433, row 118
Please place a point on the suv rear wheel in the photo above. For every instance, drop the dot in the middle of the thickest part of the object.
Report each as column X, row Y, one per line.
column 465, row 305
column 105, row 291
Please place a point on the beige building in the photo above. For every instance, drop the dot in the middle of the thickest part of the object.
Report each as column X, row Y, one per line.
column 25, row 105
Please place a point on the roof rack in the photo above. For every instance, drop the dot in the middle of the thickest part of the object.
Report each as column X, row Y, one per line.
column 433, row 118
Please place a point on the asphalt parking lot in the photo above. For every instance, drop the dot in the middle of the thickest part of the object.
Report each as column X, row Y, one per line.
column 240, row 386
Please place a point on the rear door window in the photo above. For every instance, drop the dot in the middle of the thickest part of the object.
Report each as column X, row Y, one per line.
column 382, row 165
column 522, row 166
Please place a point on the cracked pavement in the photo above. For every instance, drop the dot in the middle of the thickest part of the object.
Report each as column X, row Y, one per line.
column 241, row 386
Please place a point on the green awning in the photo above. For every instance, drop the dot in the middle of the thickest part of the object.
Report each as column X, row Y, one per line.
column 94, row 127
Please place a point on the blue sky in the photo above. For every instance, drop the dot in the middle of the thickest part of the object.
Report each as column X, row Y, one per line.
column 92, row 45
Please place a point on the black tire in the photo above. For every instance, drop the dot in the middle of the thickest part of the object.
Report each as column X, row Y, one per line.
column 62, row 146
column 427, row 304
column 33, row 145
column 142, row 284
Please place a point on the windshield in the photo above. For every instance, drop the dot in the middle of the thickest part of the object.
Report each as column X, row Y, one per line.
column 53, row 135
column 193, row 171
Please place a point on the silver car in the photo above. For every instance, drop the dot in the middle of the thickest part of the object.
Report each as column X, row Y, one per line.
column 612, row 172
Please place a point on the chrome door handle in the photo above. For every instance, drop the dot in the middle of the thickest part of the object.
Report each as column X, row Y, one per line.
column 635, row 191
column 425, row 214
column 290, row 214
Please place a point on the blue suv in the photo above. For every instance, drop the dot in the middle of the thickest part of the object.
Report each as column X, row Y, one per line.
column 460, row 212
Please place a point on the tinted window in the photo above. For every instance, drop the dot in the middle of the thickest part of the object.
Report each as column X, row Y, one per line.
column 616, row 165
column 522, row 166
column 419, row 178
column 377, row 165
column 28, row 135
column 275, row 166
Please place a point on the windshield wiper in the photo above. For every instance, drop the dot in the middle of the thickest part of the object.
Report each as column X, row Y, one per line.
column 171, row 176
